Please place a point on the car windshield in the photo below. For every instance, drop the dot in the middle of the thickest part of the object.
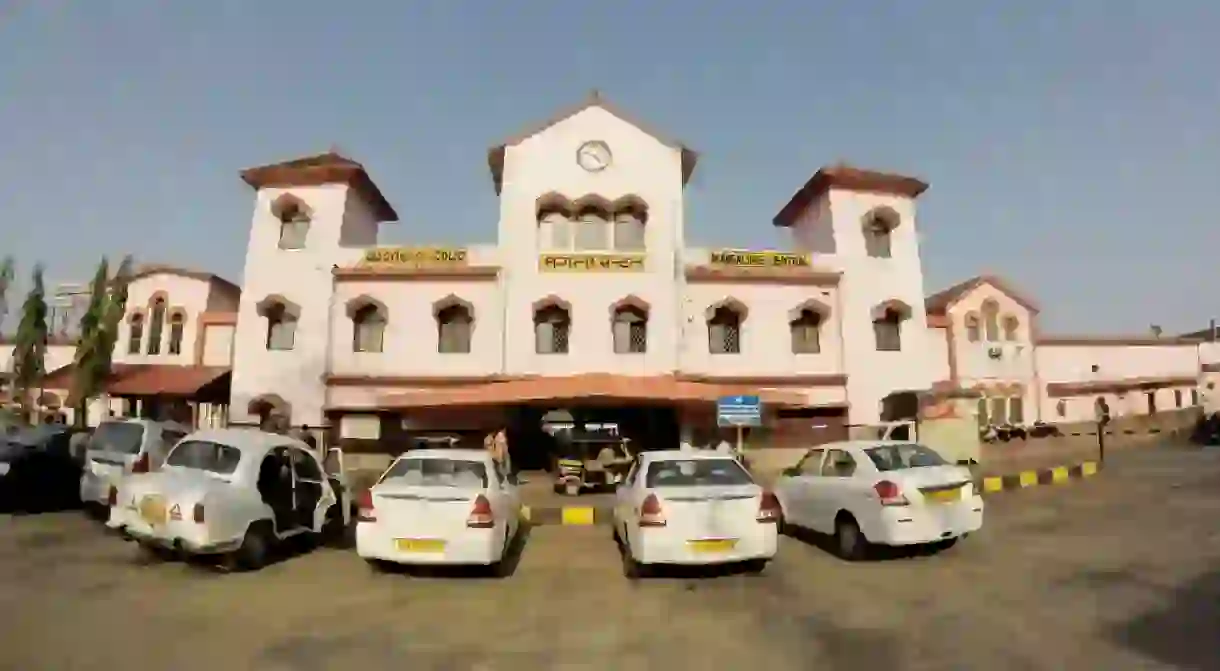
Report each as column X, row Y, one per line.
column 205, row 456
column 438, row 473
column 696, row 473
column 903, row 455
column 122, row 437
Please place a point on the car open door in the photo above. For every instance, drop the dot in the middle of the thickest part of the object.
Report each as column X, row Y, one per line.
column 336, row 474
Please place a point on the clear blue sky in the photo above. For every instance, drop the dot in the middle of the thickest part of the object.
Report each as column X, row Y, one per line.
column 1072, row 146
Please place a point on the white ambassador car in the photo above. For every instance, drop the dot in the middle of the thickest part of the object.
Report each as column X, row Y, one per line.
column 688, row 508
column 234, row 492
column 440, row 506
column 119, row 447
column 879, row 492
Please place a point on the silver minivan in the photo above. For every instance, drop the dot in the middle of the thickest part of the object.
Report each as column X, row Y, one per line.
column 121, row 446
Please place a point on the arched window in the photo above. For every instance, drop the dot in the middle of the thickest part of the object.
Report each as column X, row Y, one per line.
column 1011, row 327
column 887, row 325
column 629, row 325
column 879, row 227
column 294, row 220
column 991, row 321
column 554, row 224
column 454, row 327
column 368, row 328
column 973, row 333
column 135, row 333
column 630, row 218
column 805, row 330
column 592, row 224
column 281, row 317
column 177, row 323
column 1061, row 408
column 724, row 329
column 156, row 326
column 552, row 328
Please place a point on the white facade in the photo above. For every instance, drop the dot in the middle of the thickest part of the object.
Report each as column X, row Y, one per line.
column 854, row 258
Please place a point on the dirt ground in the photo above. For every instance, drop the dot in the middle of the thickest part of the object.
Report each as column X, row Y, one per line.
column 1118, row 572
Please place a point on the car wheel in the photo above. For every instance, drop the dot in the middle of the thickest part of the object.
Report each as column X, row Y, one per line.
column 849, row 542
column 255, row 548
column 632, row 569
column 499, row 568
column 334, row 533
column 754, row 566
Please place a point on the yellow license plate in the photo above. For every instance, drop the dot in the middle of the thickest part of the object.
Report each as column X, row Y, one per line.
column 712, row 545
column 943, row 495
column 152, row 510
column 419, row 545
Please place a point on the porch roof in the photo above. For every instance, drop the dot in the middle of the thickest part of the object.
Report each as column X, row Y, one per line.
column 588, row 387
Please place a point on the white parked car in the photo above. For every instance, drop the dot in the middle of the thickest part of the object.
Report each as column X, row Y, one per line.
column 440, row 506
column 688, row 508
column 119, row 447
column 235, row 492
column 879, row 492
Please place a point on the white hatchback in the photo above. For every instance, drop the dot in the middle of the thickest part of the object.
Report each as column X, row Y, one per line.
column 687, row 508
column 443, row 506
column 879, row 492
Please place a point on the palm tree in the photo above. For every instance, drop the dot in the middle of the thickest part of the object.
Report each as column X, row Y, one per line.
column 30, row 345
column 6, row 278
column 91, row 360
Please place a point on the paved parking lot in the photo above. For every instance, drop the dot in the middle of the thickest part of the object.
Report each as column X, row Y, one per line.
column 1118, row 572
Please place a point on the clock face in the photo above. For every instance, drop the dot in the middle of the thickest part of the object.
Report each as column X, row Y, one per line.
column 594, row 156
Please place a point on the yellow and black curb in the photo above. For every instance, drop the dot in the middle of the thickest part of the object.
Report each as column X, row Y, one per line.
column 584, row 516
column 1057, row 475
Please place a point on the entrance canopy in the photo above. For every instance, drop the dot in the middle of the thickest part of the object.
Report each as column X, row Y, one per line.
column 589, row 388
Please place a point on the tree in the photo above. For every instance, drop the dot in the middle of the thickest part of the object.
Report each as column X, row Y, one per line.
column 30, row 345
column 116, row 309
column 1156, row 331
column 6, row 278
column 91, row 362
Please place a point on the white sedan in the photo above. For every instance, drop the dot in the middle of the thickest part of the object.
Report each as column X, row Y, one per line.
column 879, row 492
column 444, row 506
column 686, row 508
column 235, row 492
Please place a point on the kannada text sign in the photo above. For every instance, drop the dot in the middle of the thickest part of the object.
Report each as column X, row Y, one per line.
column 765, row 259
column 591, row 263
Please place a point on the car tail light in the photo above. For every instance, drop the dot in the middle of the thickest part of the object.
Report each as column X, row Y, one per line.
column 768, row 509
column 141, row 465
column 651, row 514
column 197, row 514
column 890, row 494
column 112, row 497
column 481, row 516
column 365, row 511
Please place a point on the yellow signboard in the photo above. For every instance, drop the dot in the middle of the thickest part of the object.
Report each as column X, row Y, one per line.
column 591, row 263
column 766, row 259
column 415, row 256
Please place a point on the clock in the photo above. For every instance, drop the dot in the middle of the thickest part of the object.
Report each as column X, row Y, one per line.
column 594, row 156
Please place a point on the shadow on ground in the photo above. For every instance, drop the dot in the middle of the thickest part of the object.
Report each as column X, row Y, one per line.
column 875, row 553
column 1183, row 633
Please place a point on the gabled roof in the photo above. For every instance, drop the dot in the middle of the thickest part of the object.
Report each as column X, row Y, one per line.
column 848, row 178
column 150, row 269
column 495, row 155
column 938, row 304
column 328, row 168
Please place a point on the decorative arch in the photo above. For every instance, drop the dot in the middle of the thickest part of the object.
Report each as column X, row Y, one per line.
column 891, row 308
column 159, row 295
column 630, row 204
column 630, row 302
column 551, row 300
column 135, row 331
column 1010, row 325
column 552, row 202
column 814, row 305
column 158, row 311
column 727, row 302
column 452, row 301
column 288, row 207
column 593, row 202
column 272, row 301
column 358, row 303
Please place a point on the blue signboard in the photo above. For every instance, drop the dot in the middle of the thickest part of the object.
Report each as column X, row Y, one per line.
column 739, row 411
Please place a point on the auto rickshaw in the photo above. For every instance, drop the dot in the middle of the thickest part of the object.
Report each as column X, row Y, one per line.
column 591, row 462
